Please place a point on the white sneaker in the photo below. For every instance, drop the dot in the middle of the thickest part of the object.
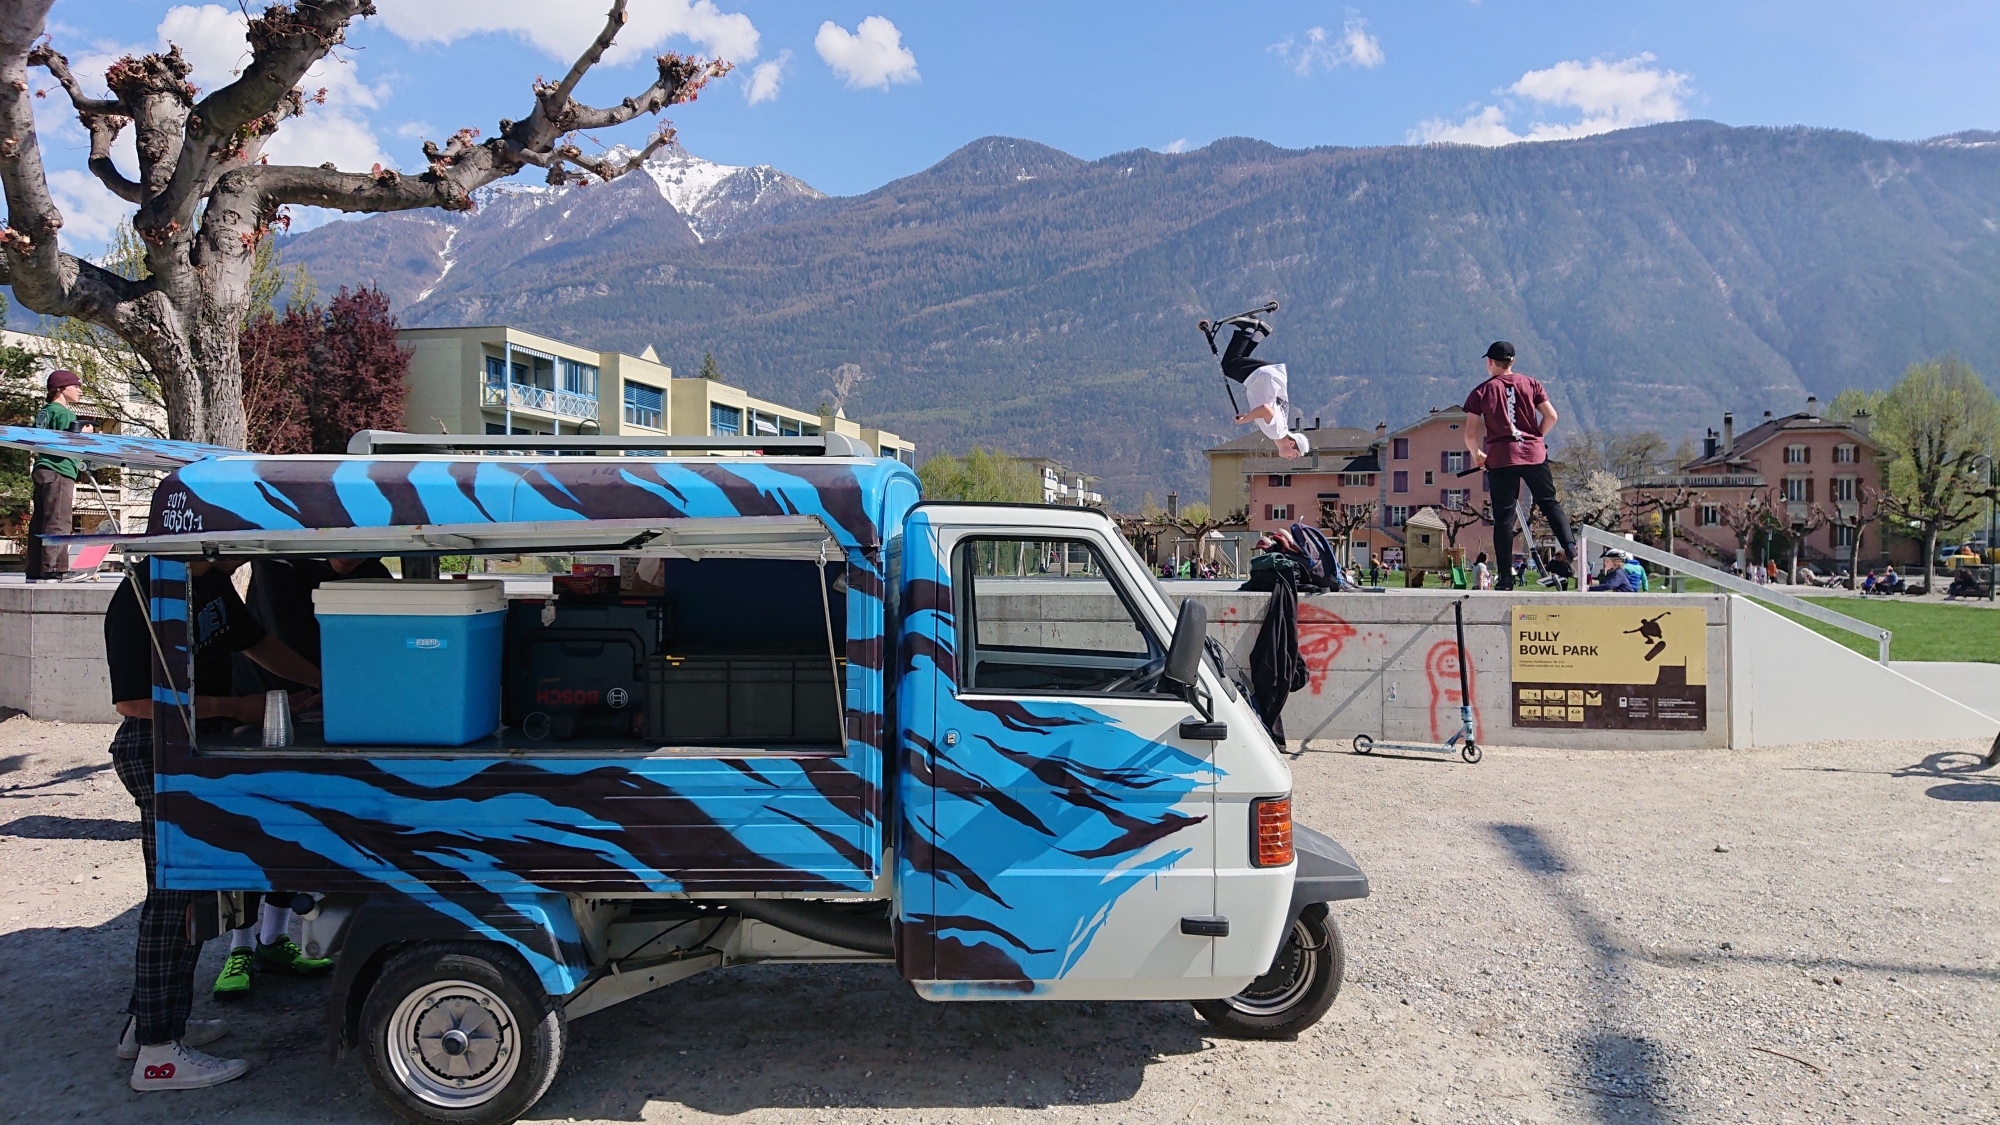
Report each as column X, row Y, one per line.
column 172, row 1066
column 197, row 1033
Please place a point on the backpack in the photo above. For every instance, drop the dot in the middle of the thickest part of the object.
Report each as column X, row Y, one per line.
column 1265, row 570
column 1322, row 564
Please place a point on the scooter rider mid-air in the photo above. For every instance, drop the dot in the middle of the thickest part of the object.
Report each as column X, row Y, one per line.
column 1265, row 384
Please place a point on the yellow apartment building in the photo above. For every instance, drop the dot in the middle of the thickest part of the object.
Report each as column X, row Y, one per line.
column 500, row 380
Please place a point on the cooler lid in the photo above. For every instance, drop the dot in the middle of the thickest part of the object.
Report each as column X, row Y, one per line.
column 415, row 597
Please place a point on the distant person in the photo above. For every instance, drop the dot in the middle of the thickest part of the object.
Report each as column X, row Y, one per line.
column 1508, row 417
column 1266, row 385
column 1613, row 578
column 54, row 481
column 1637, row 570
column 1482, row 575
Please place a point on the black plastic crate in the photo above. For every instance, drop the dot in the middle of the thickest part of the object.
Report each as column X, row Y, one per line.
column 742, row 699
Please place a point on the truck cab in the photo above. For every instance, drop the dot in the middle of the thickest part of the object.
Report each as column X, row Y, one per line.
column 801, row 715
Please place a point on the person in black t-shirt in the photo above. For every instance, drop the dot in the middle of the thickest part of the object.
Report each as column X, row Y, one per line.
column 160, row 1037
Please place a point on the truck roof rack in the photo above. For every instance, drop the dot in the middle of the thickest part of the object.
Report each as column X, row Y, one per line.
column 367, row 442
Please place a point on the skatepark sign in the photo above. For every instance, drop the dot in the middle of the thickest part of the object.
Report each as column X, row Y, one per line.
column 1599, row 667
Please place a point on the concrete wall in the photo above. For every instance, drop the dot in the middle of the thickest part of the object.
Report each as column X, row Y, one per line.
column 1975, row 685
column 52, row 651
column 1375, row 659
column 1793, row 685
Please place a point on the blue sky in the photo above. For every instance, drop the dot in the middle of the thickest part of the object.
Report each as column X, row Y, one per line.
column 849, row 96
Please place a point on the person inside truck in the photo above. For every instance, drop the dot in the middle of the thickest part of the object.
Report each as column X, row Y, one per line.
column 159, row 1037
column 280, row 601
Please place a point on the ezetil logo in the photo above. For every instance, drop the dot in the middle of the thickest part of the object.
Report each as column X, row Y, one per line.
column 424, row 642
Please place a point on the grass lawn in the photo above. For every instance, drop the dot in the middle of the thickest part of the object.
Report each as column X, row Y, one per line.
column 1924, row 630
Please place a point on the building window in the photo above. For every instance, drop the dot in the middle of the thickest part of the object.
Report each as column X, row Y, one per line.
column 1798, row 455
column 1798, row 490
column 788, row 427
column 1458, row 498
column 495, row 428
column 1357, row 480
column 724, row 420
column 1711, row 515
column 1843, row 454
column 577, row 378
column 643, row 405
column 1399, row 514
column 1280, row 480
column 1454, row 460
column 1843, row 535
column 1399, row 481
column 1400, row 449
column 1845, row 489
column 1430, row 477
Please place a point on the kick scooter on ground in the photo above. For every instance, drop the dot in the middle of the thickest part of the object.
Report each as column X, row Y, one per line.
column 1463, row 742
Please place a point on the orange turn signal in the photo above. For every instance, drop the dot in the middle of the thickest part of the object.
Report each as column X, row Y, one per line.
column 1272, row 818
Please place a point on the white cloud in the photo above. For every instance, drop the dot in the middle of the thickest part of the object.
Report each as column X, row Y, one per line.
column 765, row 79
column 1354, row 46
column 1177, row 145
column 1608, row 95
column 872, row 55
column 90, row 212
column 563, row 30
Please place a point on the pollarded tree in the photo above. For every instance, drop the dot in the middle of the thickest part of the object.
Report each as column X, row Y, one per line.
column 207, row 199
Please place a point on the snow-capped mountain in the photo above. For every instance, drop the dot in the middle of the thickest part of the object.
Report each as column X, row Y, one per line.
column 434, row 264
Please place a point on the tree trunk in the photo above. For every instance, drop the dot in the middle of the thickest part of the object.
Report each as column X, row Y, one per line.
column 1930, row 556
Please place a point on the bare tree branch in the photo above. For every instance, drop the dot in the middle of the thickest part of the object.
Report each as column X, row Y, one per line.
column 57, row 64
column 205, row 201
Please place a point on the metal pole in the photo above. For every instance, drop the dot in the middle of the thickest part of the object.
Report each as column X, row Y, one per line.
column 507, row 384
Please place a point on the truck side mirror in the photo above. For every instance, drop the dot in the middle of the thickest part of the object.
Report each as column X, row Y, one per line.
column 1184, row 654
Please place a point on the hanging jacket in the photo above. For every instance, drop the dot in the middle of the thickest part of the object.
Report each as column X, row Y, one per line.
column 1277, row 669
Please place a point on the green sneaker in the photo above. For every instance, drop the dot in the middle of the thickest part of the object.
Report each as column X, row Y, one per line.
column 234, row 982
column 285, row 954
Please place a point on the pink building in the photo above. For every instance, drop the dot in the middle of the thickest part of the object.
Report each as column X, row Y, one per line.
column 1809, row 461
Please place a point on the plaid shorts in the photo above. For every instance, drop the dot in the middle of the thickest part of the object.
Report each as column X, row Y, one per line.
column 164, row 964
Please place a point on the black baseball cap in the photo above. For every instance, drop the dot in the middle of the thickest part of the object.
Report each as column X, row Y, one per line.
column 1500, row 351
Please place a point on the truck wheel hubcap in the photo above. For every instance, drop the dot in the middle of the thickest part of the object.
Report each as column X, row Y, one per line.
column 454, row 1044
column 1290, row 977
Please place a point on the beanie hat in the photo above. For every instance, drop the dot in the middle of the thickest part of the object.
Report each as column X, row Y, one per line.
column 61, row 377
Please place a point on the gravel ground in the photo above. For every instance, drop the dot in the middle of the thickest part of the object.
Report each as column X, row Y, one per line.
column 1800, row 934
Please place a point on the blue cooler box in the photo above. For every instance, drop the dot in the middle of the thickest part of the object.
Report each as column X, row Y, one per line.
column 412, row 663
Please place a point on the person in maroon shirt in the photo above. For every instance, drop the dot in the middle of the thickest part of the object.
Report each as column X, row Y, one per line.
column 1509, row 415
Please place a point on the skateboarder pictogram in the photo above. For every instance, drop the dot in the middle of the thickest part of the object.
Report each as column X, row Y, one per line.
column 1649, row 630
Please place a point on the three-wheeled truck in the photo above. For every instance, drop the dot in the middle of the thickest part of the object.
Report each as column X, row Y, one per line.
column 826, row 722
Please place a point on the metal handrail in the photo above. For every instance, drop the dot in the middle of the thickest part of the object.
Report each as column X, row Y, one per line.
column 1728, row 581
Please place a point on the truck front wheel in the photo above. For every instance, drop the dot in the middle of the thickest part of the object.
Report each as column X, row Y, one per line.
column 1295, row 992
column 461, row 1032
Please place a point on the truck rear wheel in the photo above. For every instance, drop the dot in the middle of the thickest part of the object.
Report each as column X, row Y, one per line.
column 1301, row 984
column 461, row 1032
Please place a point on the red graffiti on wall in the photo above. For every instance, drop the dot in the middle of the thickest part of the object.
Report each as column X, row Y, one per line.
column 1322, row 632
column 1441, row 668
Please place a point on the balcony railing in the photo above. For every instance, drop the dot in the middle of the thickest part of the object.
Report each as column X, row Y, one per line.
column 523, row 396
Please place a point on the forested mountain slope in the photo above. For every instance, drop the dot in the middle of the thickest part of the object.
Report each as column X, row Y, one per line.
column 1018, row 297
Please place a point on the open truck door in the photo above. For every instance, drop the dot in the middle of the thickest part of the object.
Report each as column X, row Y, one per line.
column 1058, row 822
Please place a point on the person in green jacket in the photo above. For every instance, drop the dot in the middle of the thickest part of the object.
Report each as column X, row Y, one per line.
column 54, row 480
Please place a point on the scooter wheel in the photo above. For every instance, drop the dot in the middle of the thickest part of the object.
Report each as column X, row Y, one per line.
column 1471, row 752
column 1363, row 744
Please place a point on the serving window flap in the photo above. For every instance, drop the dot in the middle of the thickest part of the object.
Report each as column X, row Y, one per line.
column 112, row 449
column 770, row 537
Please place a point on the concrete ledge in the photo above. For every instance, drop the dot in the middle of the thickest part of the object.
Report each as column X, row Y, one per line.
column 52, row 650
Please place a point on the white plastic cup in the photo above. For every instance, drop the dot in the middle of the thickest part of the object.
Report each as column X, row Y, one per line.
column 277, row 719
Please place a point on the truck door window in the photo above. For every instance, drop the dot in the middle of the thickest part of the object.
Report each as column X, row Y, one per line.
column 1046, row 617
